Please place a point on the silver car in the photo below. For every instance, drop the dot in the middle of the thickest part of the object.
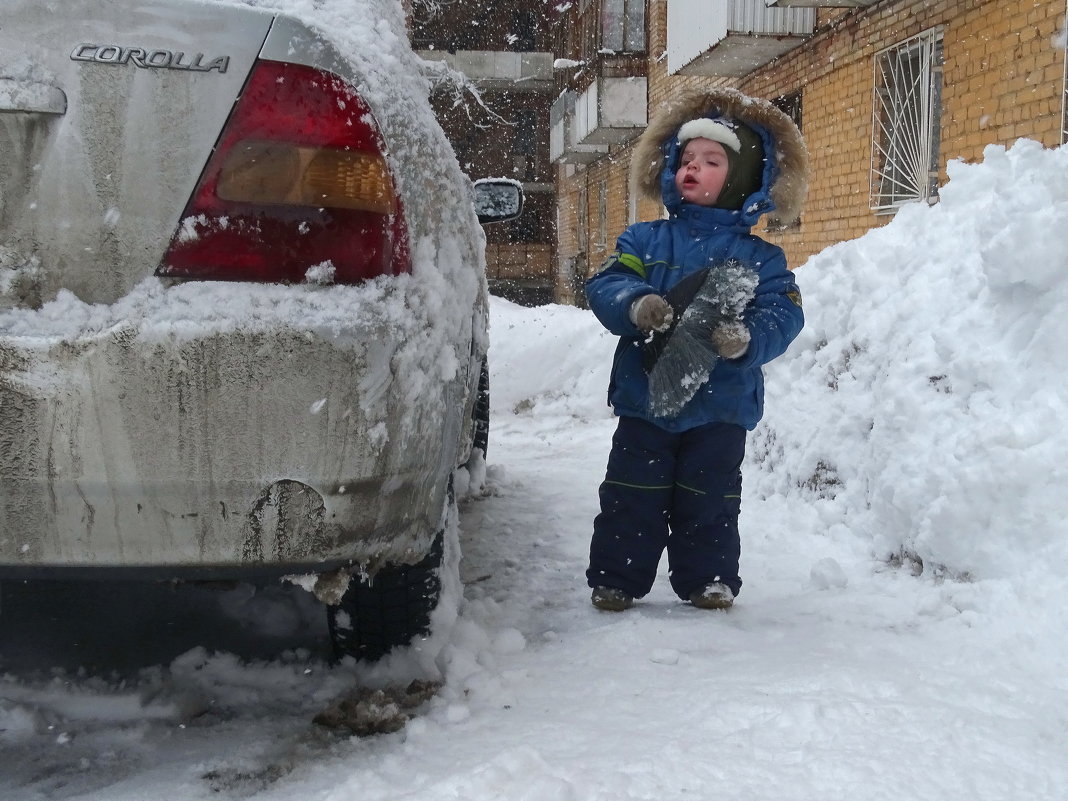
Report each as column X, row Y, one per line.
column 242, row 303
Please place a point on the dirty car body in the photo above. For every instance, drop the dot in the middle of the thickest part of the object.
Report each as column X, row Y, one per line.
column 240, row 332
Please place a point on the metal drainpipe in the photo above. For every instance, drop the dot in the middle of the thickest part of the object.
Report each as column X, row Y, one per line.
column 1064, row 85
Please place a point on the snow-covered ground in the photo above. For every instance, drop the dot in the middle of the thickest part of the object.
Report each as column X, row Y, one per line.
column 900, row 634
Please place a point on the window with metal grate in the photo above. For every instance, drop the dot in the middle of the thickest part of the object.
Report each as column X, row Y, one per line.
column 906, row 122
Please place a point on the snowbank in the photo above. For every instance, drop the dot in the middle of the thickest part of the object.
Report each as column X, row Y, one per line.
column 922, row 405
column 557, row 359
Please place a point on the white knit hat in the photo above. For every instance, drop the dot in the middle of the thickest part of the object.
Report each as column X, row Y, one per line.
column 718, row 130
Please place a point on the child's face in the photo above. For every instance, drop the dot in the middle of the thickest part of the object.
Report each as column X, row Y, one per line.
column 702, row 171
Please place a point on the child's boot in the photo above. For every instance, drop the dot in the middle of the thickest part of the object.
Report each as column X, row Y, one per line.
column 713, row 596
column 610, row 599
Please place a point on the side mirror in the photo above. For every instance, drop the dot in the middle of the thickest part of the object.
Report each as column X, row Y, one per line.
column 497, row 199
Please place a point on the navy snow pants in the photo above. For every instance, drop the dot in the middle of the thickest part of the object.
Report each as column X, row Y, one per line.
column 675, row 491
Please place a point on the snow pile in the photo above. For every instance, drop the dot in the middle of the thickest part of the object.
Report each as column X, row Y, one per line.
column 557, row 360
column 922, row 407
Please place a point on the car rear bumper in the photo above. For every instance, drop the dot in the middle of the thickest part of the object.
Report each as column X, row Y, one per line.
column 225, row 454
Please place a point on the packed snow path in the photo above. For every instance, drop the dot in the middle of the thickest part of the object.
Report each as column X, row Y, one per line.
column 833, row 677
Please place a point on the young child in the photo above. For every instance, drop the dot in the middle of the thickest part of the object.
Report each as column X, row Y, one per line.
column 719, row 161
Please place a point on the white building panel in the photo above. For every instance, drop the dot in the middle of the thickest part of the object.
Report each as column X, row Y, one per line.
column 697, row 26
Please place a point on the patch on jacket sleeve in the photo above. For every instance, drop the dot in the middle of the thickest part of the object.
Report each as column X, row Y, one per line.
column 627, row 260
column 631, row 261
column 795, row 296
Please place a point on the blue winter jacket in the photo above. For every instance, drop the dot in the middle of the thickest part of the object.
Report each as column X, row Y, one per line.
column 651, row 257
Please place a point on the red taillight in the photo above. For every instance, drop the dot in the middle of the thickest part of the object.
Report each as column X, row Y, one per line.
column 298, row 179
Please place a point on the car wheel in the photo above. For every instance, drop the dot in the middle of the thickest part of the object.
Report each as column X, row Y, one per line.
column 390, row 609
column 481, row 411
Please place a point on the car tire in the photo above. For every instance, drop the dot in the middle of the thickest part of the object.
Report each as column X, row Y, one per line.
column 481, row 411
column 390, row 609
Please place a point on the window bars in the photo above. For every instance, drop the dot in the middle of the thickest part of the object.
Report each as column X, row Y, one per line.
column 906, row 122
column 602, row 215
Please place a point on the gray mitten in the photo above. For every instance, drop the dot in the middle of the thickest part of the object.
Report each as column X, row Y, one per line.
column 731, row 340
column 651, row 313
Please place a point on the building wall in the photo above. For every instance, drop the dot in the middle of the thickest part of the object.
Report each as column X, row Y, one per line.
column 1003, row 79
column 512, row 25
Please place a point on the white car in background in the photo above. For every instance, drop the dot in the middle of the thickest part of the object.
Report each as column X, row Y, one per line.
column 242, row 303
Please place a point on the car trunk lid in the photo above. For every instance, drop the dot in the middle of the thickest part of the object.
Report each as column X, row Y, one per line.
column 108, row 114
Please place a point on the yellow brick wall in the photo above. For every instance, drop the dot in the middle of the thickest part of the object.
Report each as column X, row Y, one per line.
column 519, row 261
column 1003, row 79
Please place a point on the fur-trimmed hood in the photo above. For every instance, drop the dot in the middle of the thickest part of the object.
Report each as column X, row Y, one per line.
column 785, row 181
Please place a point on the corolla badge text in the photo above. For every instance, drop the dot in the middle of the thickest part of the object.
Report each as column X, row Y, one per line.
column 148, row 59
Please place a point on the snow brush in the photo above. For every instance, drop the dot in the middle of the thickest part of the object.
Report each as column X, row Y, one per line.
column 680, row 359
